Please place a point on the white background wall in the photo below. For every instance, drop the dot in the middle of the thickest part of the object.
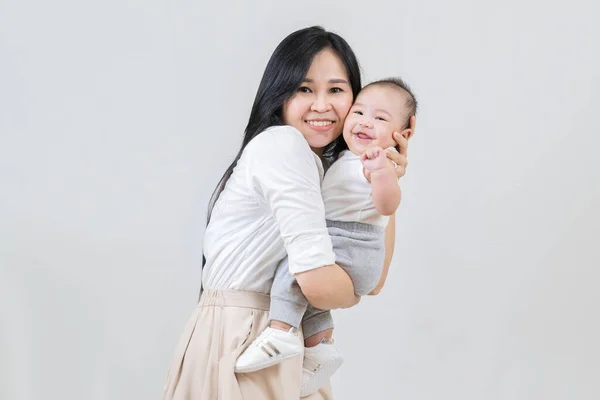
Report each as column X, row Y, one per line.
column 117, row 118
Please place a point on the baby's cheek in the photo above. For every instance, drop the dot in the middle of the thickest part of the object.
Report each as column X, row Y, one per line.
column 387, row 140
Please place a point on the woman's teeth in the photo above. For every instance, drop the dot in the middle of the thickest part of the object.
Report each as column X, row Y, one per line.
column 319, row 123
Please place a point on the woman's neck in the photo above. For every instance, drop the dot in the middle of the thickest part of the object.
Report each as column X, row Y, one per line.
column 318, row 151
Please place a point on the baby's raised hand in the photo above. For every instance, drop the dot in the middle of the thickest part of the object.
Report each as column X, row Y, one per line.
column 374, row 159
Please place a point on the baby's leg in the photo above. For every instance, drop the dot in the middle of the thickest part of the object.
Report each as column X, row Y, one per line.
column 360, row 250
column 288, row 304
column 281, row 340
column 316, row 326
column 321, row 356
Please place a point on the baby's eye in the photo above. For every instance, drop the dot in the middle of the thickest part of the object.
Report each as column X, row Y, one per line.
column 381, row 119
column 304, row 89
column 358, row 112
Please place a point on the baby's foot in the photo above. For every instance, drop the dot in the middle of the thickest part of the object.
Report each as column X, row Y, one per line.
column 320, row 363
column 271, row 347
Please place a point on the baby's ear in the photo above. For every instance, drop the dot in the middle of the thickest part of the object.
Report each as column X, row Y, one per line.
column 410, row 131
column 407, row 133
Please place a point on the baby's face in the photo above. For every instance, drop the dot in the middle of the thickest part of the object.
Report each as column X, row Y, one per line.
column 376, row 114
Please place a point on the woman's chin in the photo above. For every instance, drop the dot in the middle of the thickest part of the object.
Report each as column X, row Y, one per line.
column 321, row 141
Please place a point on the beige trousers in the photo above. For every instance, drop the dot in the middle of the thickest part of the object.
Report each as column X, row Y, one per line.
column 223, row 324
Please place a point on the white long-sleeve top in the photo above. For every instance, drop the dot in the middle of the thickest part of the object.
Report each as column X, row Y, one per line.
column 271, row 206
column 347, row 194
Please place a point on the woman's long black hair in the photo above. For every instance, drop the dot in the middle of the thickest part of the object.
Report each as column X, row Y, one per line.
column 283, row 75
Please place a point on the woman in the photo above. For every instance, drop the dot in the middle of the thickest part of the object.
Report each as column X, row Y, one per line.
column 268, row 204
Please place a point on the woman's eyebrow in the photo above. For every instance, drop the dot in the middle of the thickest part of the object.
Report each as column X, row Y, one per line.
column 332, row 81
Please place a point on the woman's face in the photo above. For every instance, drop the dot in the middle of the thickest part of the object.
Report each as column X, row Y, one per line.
column 320, row 105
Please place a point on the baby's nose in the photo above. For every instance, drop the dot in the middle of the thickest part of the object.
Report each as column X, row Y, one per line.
column 366, row 123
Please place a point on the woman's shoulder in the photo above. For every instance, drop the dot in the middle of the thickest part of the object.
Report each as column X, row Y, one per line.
column 279, row 135
column 279, row 140
column 282, row 148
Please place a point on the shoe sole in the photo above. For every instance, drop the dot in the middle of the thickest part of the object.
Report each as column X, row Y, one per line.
column 264, row 365
column 320, row 378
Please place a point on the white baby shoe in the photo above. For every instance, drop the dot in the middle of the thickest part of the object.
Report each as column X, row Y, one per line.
column 320, row 363
column 271, row 347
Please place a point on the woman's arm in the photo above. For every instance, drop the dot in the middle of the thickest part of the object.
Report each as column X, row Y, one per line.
column 284, row 173
column 390, row 238
column 328, row 287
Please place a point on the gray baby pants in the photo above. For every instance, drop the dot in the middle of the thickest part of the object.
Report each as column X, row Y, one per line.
column 359, row 249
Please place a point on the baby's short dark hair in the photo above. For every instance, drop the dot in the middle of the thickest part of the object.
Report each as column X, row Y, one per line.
column 411, row 100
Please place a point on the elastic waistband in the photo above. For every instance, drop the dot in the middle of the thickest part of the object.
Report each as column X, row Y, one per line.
column 234, row 298
column 355, row 226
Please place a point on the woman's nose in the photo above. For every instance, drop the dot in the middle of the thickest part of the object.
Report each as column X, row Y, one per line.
column 321, row 104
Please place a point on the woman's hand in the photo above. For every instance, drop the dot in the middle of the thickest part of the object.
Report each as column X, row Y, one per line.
column 399, row 158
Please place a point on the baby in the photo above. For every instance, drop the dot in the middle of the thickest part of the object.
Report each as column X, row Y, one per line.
column 360, row 192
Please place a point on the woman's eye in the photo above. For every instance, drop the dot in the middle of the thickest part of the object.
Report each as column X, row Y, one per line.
column 304, row 89
column 336, row 90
